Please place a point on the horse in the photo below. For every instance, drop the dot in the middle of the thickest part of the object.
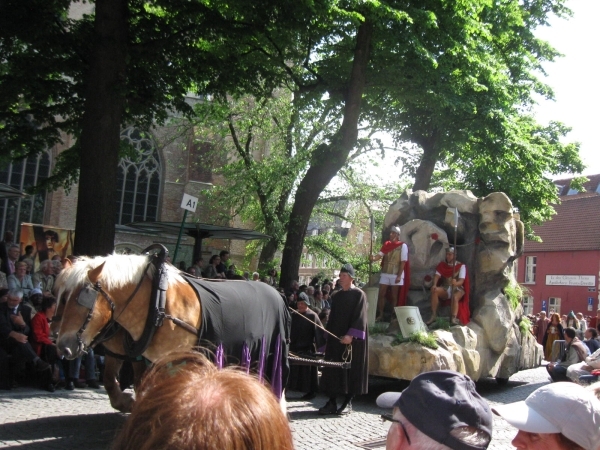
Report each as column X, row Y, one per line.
column 115, row 355
column 160, row 310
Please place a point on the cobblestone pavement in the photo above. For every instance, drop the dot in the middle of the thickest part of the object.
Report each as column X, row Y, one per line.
column 83, row 419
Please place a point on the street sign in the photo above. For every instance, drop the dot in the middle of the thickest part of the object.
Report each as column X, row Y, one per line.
column 590, row 303
column 190, row 203
column 544, row 306
column 591, row 289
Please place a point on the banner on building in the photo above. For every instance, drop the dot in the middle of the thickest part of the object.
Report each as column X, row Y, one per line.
column 570, row 280
column 46, row 241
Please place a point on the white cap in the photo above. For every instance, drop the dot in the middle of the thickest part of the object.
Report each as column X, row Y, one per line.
column 564, row 407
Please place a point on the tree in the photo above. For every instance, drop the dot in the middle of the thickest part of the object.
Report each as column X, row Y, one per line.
column 129, row 62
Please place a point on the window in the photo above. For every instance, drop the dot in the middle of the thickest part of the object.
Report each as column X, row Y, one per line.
column 528, row 304
column 138, row 180
column 554, row 305
column 530, row 265
column 310, row 262
column 572, row 192
column 21, row 175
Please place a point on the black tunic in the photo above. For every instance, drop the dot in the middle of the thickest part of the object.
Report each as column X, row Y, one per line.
column 304, row 338
column 348, row 317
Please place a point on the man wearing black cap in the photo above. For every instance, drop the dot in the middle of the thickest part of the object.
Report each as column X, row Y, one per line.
column 439, row 410
column 348, row 321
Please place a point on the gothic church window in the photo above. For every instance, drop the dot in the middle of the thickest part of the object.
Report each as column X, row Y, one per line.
column 22, row 175
column 138, row 180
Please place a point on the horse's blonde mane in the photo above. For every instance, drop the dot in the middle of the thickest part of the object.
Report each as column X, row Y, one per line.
column 118, row 272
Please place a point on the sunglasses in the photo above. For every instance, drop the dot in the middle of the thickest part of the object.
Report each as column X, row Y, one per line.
column 389, row 418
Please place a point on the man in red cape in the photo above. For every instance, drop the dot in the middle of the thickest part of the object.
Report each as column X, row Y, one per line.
column 455, row 285
column 395, row 271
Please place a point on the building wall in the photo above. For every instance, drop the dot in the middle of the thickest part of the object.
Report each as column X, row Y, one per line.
column 573, row 298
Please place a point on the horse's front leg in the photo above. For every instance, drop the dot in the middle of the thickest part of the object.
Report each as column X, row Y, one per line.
column 118, row 399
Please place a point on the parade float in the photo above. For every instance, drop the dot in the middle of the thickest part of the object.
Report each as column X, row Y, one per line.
column 489, row 239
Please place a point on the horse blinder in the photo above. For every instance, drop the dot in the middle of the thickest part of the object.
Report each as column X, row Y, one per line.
column 87, row 297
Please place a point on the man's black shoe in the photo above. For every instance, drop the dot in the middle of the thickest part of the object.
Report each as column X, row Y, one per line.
column 69, row 386
column 93, row 384
column 346, row 408
column 40, row 365
column 308, row 396
column 329, row 408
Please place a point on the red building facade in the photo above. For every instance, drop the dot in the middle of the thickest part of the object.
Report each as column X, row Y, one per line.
column 562, row 272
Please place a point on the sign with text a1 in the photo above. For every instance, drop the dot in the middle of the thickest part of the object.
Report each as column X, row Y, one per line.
column 190, row 203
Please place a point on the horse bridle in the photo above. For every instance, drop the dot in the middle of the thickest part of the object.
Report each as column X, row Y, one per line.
column 87, row 298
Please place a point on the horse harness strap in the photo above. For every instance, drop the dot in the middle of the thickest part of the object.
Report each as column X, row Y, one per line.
column 87, row 298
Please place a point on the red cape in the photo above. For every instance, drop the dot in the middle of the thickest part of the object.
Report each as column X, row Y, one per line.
column 445, row 270
column 387, row 247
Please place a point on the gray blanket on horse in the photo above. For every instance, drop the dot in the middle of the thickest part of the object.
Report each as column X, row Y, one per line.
column 247, row 323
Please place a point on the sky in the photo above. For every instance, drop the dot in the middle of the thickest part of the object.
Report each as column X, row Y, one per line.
column 574, row 78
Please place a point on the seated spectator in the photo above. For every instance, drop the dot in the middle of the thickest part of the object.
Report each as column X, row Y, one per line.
column 13, row 253
column 228, row 410
column 35, row 300
column 558, row 416
column 231, row 273
column 90, row 372
column 40, row 336
column 272, row 278
column 44, row 278
column 318, row 303
column 15, row 328
column 3, row 281
column 439, row 410
column 29, row 263
column 310, row 291
column 590, row 338
column 575, row 352
column 326, row 300
column 324, row 317
column 20, row 279
column 211, row 269
column 199, row 265
column 192, row 271
column 255, row 276
column 58, row 266
column 29, row 253
column 224, row 262
column 246, row 276
column 292, row 293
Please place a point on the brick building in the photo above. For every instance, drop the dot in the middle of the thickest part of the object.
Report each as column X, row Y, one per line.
column 563, row 271
column 149, row 189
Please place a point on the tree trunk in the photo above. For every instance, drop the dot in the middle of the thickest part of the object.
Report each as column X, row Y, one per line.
column 336, row 153
column 267, row 254
column 431, row 154
column 101, row 125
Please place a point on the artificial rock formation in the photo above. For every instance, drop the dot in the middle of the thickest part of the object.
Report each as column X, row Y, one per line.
column 489, row 239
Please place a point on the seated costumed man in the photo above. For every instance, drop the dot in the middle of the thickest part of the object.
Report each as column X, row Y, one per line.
column 395, row 269
column 451, row 281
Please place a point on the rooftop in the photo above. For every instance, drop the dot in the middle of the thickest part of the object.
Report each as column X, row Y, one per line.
column 575, row 226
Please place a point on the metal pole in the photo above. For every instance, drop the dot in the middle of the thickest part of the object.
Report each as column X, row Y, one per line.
column 185, row 211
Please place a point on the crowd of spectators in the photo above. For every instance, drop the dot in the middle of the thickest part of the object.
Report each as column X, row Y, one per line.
column 27, row 305
column 578, row 359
